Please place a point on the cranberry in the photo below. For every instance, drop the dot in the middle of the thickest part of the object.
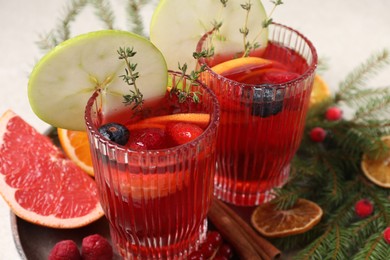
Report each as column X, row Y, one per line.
column 386, row 235
column 317, row 134
column 196, row 255
column 225, row 250
column 364, row 208
column 333, row 114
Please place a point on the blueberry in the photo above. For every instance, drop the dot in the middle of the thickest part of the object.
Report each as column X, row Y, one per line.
column 266, row 100
column 115, row 132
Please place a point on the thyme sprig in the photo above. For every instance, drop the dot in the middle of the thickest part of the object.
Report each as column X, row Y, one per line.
column 250, row 46
column 135, row 97
column 245, row 30
column 186, row 93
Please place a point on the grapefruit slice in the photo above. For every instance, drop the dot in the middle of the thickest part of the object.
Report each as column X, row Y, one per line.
column 39, row 184
column 64, row 79
column 178, row 25
column 76, row 147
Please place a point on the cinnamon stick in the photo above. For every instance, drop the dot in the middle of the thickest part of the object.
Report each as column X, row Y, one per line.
column 240, row 234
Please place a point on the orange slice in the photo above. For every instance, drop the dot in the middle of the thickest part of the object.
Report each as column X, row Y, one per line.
column 200, row 119
column 272, row 222
column 320, row 91
column 150, row 186
column 239, row 65
column 76, row 147
column 378, row 170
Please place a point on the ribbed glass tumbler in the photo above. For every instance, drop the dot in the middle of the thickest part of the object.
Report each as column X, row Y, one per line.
column 261, row 123
column 156, row 201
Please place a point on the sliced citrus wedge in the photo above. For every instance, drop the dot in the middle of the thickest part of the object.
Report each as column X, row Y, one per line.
column 76, row 147
column 240, row 65
column 64, row 79
column 178, row 25
column 320, row 91
column 200, row 119
column 39, row 183
column 272, row 222
column 378, row 170
column 149, row 186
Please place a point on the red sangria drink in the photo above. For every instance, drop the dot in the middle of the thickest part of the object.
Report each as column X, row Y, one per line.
column 154, row 167
column 264, row 98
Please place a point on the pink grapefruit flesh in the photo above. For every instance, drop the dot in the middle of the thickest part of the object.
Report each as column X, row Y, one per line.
column 39, row 184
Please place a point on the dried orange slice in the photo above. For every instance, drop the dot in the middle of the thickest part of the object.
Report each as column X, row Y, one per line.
column 271, row 222
column 76, row 147
column 320, row 91
column 378, row 170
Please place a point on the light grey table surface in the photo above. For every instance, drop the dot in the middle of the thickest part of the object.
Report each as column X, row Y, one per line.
column 344, row 32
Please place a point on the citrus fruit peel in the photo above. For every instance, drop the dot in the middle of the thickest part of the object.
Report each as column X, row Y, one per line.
column 65, row 78
column 378, row 170
column 39, row 183
column 200, row 119
column 76, row 146
column 243, row 64
column 320, row 91
column 271, row 222
column 150, row 186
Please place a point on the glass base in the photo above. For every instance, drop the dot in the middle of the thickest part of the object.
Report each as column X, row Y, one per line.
column 240, row 195
column 155, row 250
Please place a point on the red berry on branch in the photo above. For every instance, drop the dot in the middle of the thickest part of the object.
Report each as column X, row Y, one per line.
column 317, row 134
column 386, row 235
column 364, row 208
column 333, row 114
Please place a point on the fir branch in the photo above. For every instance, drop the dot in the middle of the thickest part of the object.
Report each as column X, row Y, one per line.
column 322, row 65
column 376, row 108
column 375, row 248
column 284, row 199
column 104, row 12
column 358, row 77
column 62, row 30
column 134, row 14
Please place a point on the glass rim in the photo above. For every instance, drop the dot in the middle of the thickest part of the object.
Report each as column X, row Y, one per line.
column 212, row 126
column 310, row 70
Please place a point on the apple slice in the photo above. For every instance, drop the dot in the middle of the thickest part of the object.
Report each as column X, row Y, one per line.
column 64, row 79
column 178, row 25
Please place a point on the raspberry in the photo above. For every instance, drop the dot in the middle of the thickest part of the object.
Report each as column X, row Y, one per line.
column 317, row 134
column 333, row 114
column 386, row 235
column 96, row 247
column 364, row 208
column 65, row 250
